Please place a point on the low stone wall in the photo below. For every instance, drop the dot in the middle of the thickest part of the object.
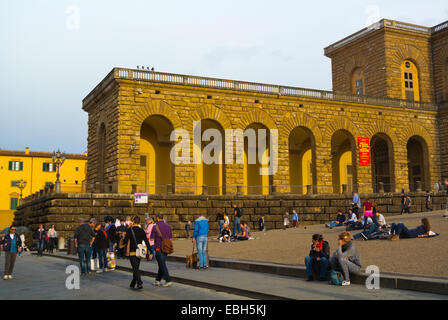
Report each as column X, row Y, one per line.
column 63, row 210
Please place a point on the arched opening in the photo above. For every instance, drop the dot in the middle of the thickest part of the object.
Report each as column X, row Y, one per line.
column 343, row 157
column 418, row 165
column 211, row 169
column 102, row 157
column 410, row 81
column 302, row 160
column 156, row 168
column 382, row 163
column 254, row 181
column 358, row 82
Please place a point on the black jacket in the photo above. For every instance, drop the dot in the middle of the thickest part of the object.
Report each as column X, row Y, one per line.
column 325, row 253
column 101, row 240
column 112, row 233
column 140, row 236
column 6, row 242
column 40, row 235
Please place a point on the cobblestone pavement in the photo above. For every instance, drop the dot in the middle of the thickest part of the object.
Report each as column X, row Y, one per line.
column 45, row 277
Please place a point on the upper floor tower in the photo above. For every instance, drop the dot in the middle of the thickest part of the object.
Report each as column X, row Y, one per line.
column 393, row 59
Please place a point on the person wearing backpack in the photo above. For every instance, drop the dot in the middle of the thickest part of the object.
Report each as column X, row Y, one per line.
column 237, row 213
column 135, row 235
column 160, row 234
column 346, row 259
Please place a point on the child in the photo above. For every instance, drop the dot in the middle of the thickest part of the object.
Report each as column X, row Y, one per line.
column 286, row 221
column 188, row 228
column 295, row 218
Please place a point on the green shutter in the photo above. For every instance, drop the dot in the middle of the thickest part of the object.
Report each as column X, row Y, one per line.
column 21, row 166
column 43, row 167
column 10, row 166
column 14, row 203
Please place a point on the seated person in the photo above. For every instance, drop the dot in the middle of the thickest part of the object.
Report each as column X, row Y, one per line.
column 318, row 257
column 381, row 221
column 244, row 233
column 398, row 231
column 371, row 228
column 339, row 222
column 352, row 217
column 225, row 234
column 346, row 258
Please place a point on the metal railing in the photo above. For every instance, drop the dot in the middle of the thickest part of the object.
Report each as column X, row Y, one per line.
column 224, row 84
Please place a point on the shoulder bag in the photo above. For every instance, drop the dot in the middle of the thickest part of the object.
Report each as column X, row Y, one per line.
column 166, row 244
column 141, row 249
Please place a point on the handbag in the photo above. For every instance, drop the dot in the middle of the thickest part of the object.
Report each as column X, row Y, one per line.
column 336, row 278
column 166, row 244
column 192, row 261
column 141, row 249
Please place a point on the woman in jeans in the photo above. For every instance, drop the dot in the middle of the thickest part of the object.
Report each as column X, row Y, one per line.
column 53, row 235
column 135, row 235
column 102, row 246
column 398, row 231
column 148, row 230
column 200, row 235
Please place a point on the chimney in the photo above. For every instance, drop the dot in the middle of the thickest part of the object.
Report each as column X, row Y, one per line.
column 27, row 150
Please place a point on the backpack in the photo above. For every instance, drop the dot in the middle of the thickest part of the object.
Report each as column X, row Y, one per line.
column 166, row 244
column 336, row 278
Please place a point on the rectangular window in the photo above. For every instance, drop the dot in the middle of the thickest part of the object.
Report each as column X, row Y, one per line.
column 15, row 166
column 142, row 161
column 48, row 185
column 49, row 167
column 14, row 183
column 14, row 203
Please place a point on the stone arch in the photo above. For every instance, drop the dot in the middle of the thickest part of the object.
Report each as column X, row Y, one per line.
column 382, row 127
column 156, row 107
column 441, row 67
column 340, row 123
column 408, row 52
column 354, row 62
column 415, row 129
column 257, row 116
column 211, row 112
column 300, row 119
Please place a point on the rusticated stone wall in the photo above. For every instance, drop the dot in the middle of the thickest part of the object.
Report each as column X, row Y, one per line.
column 63, row 210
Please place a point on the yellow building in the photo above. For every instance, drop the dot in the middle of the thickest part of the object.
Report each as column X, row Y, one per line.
column 38, row 170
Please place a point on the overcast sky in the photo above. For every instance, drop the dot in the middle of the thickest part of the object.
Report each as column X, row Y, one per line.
column 53, row 53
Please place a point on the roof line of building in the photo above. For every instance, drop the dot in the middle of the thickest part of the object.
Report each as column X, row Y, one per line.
column 38, row 154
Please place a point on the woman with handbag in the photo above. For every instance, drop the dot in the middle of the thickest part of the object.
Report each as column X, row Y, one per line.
column 138, row 247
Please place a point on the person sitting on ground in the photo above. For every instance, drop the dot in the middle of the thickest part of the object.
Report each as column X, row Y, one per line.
column 244, row 232
column 352, row 217
column 339, row 222
column 319, row 257
column 398, row 231
column 380, row 220
column 371, row 228
column 346, row 259
column 225, row 234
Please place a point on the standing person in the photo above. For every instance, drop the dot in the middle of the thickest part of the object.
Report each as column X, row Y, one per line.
column 407, row 204
column 120, row 234
column 101, row 245
column 40, row 236
column 428, row 201
column 148, row 230
column 446, row 185
column 220, row 219
column 237, row 213
column 188, row 228
column 111, row 230
column 436, row 187
column 356, row 203
column 161, row 230
column 12, row 244
column 261, row 223
column 84, row 238
column 135, row 235
column 295, row 219
column 319, row 257
column 346, row 259
column 200, row 236
column 53, row 235
column 402, row 203
column 286, row 220
column 367, row 210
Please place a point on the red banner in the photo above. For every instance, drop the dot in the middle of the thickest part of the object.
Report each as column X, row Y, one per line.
column 364, row 151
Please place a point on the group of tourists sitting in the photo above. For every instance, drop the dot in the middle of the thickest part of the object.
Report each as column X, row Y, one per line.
column 226, row 236
column 345, row 259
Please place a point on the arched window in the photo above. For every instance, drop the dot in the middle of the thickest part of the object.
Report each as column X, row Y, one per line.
column 409, row 84
column 358, row 82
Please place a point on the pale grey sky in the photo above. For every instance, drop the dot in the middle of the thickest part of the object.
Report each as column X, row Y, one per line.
column 50, row 60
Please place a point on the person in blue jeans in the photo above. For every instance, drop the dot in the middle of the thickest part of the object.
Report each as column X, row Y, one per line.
column 318, row 258
column 339, row 222
column 371, row 228
column 40, row 236
column 84, row 238
column 236, row 220
column 398, row 231
column 200, row 235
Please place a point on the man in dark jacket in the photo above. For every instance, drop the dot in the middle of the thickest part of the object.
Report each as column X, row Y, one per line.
column 318, row 257
column 135, row 235
column 84, row 238
column 40, row 236
column 12, row 244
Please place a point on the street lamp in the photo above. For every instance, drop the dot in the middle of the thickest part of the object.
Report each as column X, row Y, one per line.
column 21, row 185
column 58, row 159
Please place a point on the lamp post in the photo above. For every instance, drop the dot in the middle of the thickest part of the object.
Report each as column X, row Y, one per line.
column 58, row 159
column 21, row 185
